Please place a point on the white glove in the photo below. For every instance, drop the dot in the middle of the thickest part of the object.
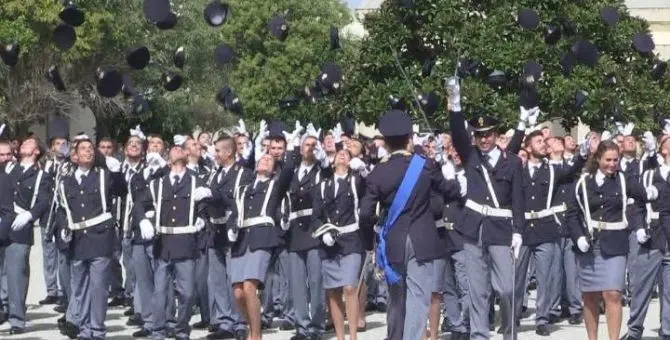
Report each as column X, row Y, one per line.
column 454, row 93
column 232, row 234
column 524, row 113
column 155, row 160
column 666, row 127
column 585, row 147
column 534, row 115
column 420, row 139
column 211, row 152
column 517, row 241
column 21, row 220
column 246, row 153
column 337, row 133
column 620, row 128
column 583, row 244
column 137, row 132
column 357, row 164
column 606, row 135
column 624, row 130
column 199, row 223
column 448, row 171
column 649, row 142
column 150, row 214
column 2, row 128
column 179, row 139
column 377, row 228
column 146, row 230
column 262, row 133
column 463, row 181
column 65, row 235
column 311, row 131
column 113, row 164
column 642, row 236
column 242, row 128
column 381, row 152
column 328, row 239
column 320, row 153
column 201, row 193
column 652, row 193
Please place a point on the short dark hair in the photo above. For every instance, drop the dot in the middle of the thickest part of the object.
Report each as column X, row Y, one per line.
column 396, row 142
column 530, row 136
column 228, row 140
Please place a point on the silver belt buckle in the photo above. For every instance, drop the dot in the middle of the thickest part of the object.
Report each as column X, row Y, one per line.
column 485, row 210
column 533, row 215
column 600, row 226
column 80, row 225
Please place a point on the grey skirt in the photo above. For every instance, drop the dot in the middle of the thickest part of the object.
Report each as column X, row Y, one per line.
column 252, row 265
column 439, row 282
column 341, row 271
column 600, row 273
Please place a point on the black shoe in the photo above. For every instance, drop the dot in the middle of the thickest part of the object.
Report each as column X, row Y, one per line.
column 116, row 302
column 553, row 319
column 16, row 330
column 49, row 300
column 3, row 317
column 135, row 320
column 129, row 312
column 128, row 302
column 213, row 328
column 460, row 336
column 61, row 322
column 329, row 326
column 314, row 337
column 70, row 330
column 62, row 308
column 241, row 334
column 299, row 337
column 370, row 306
column 286, row 326
column 201, row 325
column 575, row 319
column 221, row 334
column 628, row 337
column 565, row 313
column 142, row 333
column 542, row 330
column 266, row 324
column 381, row 307
column 170, row 333
column 532, row 284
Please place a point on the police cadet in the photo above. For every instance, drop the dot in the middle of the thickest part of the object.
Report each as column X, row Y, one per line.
column 454, row 290
column 28, row 193
column 335, row 223
column 601, row 195
column 649, row 264
column 85, row 198
column 409, row 243
column 303, row 249
column 255, row 235
column 541, row 181
column 224, row 183
column 172, row 202
column 493, row 218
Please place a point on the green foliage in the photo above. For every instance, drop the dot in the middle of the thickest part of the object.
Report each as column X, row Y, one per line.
column 488, row 30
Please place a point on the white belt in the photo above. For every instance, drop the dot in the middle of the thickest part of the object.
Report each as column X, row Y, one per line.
column 345, row 229
column 255, row 221
column 191, row 229
column 221, row 220
column 91, row 222
column 534, row 215
column 300, row 213
column 599, row 225
column 488, row 210
column 653, row 215
column 442, row 224
column 18, row 209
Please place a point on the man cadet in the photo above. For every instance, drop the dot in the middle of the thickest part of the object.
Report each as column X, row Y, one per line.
column 171, row 201
column 85, row 198
column 28, row 192
column 304, row 259
column 493, row 218
column 409, row 241
column 225, row 318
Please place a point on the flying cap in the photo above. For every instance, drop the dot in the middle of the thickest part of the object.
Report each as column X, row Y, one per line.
column 140, row 104
column 169, row 22
column 224, row 54
column 289, row 102
column 586, row 52
column 54, row 77
column 179, row 57
column 429, row 102
column 216, row 13
column 58, row 127
column 567, row 63
column 108, row 82
column 172, row 81
column 497, row 79
column 10, row 53
column 279, row 27
column 609, row 15
column 552, row 34
column 396, row 103
column 658, row 69
column 334, row 38
column 580, row 99
column 72, row 15
column 528, row 19
column 428, row 66
column 156, row 10
column 331, row 76
column 138, row 57
column 643, row 43
column 64, row 36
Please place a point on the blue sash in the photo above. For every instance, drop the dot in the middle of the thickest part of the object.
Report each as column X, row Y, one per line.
column 399, row 202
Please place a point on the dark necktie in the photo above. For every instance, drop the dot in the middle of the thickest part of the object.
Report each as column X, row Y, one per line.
column 176, row 180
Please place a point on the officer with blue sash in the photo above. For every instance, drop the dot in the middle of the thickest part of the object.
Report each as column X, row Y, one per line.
column 493, row 218
column 409, row 241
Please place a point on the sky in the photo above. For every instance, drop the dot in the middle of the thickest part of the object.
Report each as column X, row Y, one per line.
column 353, row 3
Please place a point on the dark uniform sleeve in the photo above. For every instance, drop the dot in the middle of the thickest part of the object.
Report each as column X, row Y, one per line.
column 318, row 214
column 117, row 183
column 44, row 196
column 144, row 202
column 460, row 136
column 514, row 145
column 368, row 214
column 518, row 202
column 568, row 174
column 574, row 215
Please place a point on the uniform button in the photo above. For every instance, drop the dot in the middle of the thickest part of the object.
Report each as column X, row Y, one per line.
column 601, row 207
column 175, row 196
column 447, row 205
column 562, row 191
column 174, row 208
column 532, row 225
column 82, row 205
column 601, row 196
column 337, row 211
column 173, row 220
column 84, row 231
column 532, row 183
column 83, row 218
column 532, row 197
column 487, row 198
column 81, row 192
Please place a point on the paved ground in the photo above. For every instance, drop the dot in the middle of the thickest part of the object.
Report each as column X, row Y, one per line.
column 42, row 324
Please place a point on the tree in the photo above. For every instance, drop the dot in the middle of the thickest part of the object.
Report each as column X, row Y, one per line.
column 265, row 70
column 488, row 31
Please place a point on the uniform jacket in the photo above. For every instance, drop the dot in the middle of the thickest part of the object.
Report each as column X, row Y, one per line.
column 507, row 182
column 416, row 220
column 222, row 202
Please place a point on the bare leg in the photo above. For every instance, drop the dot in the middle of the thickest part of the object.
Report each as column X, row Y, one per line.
column 336, row 307
column 238, row 291
column 362, row 301
column 613, row 312
column 351, row 301
column 591, row 313
column 253, row 309
column 434, row 316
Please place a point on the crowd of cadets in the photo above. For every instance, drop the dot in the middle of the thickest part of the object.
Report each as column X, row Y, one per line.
column 247, row 229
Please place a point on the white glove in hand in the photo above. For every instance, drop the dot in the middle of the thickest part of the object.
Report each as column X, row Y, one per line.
column 524, row 113
column 242, row 128
column 21, row 220
column 199, row 223
column 381, row 152
column 642, row 236
column 606, row 135
column 319, row 153
column 585, row 147
column 113, row 164
column 232, row 234
column 453, row 87
column 201, row 193
column 155, row 160
column 328, row 239
column 517, row 241
column 211, row 152
column 146, row 229
column 534, row 115
column 666, row 127
column 246, row 153
column 652, row 193
column 448, row 171
column 150, row 214
column 583, row 244
column 311, row 131
column 649, row 142
column 463, row 181
column 356, row 164
column 337, row 133
column 66, row 235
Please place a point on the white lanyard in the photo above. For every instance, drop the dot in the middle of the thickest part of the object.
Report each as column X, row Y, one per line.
column 585, row 207
column 158, row 201
column 103, row 197
column 489, row 185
